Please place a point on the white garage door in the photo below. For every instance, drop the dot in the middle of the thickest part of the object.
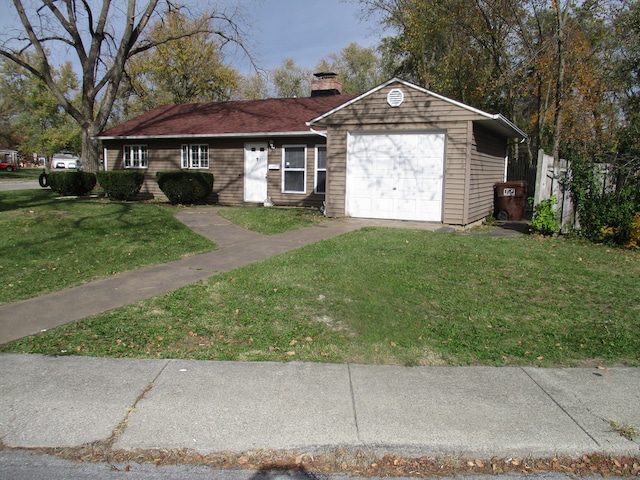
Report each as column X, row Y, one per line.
column 395, row 175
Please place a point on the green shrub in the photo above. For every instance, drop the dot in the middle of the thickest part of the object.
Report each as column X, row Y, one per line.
column 606, row 214
column 121, row 184
column 612, row 217
column 184, row 186
column 72, row 183
column 634, row 236
column 545, row 217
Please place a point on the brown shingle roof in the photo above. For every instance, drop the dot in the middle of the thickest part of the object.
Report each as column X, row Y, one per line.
column 274, row 115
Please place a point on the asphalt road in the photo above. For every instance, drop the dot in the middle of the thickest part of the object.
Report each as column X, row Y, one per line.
column 26, row 465
column 6, row 185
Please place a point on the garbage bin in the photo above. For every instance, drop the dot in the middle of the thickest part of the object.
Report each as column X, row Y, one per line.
column 510, row 200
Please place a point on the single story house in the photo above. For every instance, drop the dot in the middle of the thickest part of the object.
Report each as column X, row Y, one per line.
column 397, row 151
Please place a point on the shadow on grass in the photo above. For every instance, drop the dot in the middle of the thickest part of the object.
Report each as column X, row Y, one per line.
column 17, row 199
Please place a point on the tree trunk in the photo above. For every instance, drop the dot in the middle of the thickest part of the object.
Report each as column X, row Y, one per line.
column 557, row 134
column 90, row 155
column 561, row 34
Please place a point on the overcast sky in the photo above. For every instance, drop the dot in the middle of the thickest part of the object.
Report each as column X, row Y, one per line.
column 306, row 30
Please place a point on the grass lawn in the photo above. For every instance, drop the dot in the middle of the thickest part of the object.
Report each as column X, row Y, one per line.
column 389, row 296
column 50, row 243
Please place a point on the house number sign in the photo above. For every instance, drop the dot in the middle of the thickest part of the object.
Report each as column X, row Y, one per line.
column 509, row 192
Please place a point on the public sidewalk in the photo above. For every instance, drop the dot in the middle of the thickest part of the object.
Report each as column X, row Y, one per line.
column 214, row 407
column 233, row 406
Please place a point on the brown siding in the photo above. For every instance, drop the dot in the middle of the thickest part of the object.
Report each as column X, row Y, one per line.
column 307, row 199
column 336, row 172
column 487, row 168
column 418, row 112
column 226, row 163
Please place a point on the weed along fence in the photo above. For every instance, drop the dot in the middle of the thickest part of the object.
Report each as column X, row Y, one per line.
column 551, row 180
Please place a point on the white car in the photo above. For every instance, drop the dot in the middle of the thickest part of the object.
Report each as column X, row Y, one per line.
column 66, row 161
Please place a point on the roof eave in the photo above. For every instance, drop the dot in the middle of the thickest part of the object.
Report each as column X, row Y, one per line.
column 303, row 133
column 502, row 125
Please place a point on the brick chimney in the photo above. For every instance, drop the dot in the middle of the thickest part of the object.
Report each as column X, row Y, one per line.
column 326, row 84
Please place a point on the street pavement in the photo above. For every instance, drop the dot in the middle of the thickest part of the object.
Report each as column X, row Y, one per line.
column 208, row 407
column 26, row 465
column 6, row 186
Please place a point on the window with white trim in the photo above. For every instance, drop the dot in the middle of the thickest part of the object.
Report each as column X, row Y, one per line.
column 294, row 168
column 195, row 156
column 135, row 156
column 321, row 169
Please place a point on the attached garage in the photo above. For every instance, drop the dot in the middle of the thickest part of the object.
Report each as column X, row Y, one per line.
column 395, row 175
column 402, row 152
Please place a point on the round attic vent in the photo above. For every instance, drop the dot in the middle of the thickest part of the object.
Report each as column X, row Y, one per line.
column 395, row 97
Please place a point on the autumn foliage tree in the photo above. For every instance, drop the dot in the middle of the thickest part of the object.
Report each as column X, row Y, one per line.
column 189, row 69
column 359, row 68
column 544, row 63
column 459, row 48
column 101, row 37
column 32, row 113
column 290, row 80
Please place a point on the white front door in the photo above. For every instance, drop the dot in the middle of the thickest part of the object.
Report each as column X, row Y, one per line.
column 255, row 172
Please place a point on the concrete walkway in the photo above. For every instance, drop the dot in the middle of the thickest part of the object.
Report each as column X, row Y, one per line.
column 233, row 406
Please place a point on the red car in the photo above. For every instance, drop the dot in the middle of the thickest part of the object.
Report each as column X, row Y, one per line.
column 8, row 166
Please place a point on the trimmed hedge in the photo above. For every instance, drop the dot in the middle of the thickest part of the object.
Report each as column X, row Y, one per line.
column 121, row 184
column 72, row 183
column 184, row 186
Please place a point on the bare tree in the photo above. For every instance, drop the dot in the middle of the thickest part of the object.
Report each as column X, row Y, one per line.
column 103, row 35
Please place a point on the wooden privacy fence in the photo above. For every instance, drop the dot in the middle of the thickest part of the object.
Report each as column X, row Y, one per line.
column 552, row 179
column 547, row 178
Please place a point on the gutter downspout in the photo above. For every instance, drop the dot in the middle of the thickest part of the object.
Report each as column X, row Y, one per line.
column 105, row 157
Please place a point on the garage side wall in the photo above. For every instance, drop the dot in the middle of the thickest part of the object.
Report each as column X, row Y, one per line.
column 418, row 112
column 487, row 168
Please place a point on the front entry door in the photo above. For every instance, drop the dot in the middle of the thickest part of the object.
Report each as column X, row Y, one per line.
column 255, row 172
